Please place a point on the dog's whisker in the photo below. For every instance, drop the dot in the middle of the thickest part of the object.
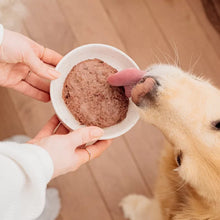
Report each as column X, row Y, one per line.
column 173, row 60
column 191, row 69
column 155, row 55
column 177, row 57
column 165, row 56
column 190, row 64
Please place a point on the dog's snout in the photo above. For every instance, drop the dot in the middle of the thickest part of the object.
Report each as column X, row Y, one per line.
column 144, row 90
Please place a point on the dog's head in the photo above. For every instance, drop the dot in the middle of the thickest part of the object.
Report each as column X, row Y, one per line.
column 187, row 110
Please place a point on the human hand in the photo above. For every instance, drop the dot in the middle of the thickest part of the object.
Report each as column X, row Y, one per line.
column 64, row 146
column 25, row 65
column 127, row 78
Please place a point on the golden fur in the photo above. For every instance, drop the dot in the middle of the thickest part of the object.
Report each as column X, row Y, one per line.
column 184, row 109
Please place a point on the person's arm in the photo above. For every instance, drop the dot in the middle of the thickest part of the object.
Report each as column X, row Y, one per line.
column 25, row 170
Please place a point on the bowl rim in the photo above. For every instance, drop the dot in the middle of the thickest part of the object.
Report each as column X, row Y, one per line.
column 99, row 45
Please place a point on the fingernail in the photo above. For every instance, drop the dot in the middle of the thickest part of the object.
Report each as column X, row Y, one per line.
column 96, row 133
column 54, row 73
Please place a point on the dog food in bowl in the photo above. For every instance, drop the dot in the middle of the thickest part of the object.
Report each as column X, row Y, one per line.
column 89, row 97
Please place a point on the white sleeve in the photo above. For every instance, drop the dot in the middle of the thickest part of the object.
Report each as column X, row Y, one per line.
column 25, row 170
column 1, row 33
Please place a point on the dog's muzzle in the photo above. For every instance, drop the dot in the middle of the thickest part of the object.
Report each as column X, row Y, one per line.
column 145, row 91
column 141, row 86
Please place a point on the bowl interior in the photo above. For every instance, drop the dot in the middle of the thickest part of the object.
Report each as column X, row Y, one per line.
column 111, row 56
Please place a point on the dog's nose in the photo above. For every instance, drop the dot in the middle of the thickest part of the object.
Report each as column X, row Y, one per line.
column 145, row 86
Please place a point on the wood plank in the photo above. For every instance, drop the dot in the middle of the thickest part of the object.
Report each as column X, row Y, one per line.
column 10, row 122
column 210, row 31
column 142, row 39
column 80, row 197
column 32, row 113
column 146, row 142
column 47, row 25
column 180, row 26
column 117, row 176
column 89, row 22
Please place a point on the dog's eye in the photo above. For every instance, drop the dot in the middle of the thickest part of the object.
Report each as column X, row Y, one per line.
column 216, row 125
column 179, row 158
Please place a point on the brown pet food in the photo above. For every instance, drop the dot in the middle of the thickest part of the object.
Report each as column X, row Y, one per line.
column 90, row 98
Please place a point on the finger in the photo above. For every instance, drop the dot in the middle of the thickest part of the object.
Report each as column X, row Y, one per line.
column 62, row 130
column 29, row 90
column 48, row 128
column 95, row 151
column 41, row 68
column 38, row 82
column 126, row 77
column 45, row 54
column 50, row 56
column 82, row 136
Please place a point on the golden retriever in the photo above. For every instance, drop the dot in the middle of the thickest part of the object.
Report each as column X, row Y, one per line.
column 187, row 110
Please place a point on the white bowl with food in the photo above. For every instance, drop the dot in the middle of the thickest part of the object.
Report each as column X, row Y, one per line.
column 69, row 109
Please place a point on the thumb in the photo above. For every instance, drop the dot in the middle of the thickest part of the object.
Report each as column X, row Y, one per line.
column 41, row 68
column 83, row 136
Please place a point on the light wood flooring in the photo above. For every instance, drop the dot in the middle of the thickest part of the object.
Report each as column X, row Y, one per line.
column 147, row 30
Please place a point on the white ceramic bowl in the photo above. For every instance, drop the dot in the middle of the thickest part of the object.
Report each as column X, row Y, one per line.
column 111, row 56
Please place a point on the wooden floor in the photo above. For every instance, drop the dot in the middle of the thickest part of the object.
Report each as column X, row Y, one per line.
column 149, row 31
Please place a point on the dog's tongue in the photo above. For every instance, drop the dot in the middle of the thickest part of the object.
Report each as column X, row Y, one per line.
column 127, row 78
